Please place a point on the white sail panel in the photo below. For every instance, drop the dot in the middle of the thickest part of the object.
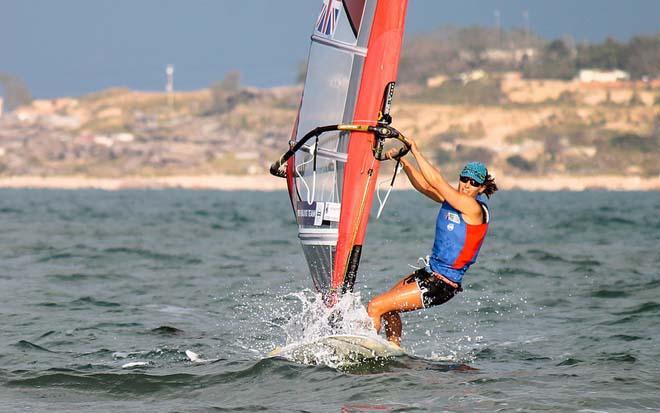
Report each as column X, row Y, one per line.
column 331, row 85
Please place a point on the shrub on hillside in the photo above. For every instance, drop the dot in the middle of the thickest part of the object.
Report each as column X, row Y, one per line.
column 454, row 92
column 520, row 163
column 633, row 142
column 224, row 94
column 474, row 153
column 622, row 151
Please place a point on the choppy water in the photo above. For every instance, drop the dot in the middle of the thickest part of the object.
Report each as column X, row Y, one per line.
column 562, row 312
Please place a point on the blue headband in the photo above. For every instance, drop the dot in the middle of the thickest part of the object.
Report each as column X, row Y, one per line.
column 476, row 171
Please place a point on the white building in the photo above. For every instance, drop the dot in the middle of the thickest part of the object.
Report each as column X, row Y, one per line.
column 509, row 55
column 436, row 81
column 606, row 76
column 467, row 77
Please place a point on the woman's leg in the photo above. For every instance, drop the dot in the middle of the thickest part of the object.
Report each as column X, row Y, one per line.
column 404, row 296
column 393, row 327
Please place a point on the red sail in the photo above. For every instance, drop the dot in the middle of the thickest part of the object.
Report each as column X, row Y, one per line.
column 380, row 69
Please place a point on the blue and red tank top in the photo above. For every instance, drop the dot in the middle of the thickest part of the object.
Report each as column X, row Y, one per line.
column 457, row 243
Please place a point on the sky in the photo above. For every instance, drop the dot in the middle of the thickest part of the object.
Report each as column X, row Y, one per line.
column 72, row 47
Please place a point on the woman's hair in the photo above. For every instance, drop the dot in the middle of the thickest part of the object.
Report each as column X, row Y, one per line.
column 491, row 186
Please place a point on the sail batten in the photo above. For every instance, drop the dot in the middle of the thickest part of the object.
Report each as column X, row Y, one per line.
column 361, row 51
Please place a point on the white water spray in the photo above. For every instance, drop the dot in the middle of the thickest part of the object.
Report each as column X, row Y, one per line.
column 316, row 320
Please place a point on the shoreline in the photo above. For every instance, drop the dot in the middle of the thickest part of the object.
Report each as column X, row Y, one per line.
column 271, row 183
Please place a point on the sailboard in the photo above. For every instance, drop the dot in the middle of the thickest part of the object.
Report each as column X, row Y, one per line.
column 338, row 138
column 340, row 348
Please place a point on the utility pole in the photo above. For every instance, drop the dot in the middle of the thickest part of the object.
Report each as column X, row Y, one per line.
column 525, row 15
column 169, row 86
column 498, row 27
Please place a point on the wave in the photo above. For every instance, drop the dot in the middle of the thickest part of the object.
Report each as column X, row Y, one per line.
column 588, row 221
column 626, row 337
column 167, row 331
column 605, row 293
column 25, row 345
column 76, row 277
column 624, row 320
column 137, row 381
column 93, row 301
column 106, row 325
column 58, row 256
column 571, row 361
column 551, row 302
column 516, row 271
column 544, row 256
column 622, row 357
column 648, row 307
column 650, row 285
column 152, row 255
column 119, row 383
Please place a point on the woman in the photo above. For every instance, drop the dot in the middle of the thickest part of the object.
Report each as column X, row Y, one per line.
column 461, row 227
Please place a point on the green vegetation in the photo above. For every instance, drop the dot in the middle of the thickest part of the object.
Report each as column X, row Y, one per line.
column 567, row 98
column 301, row 73
column 606, row 55
column 580, row 147
column 15, row 91
column 479, row 92
column 114, row 92
column 567, row 125
column 228, row 164
column 556, row 62
column 640, row 57
column 520, row 163
column 117, row 124
column 225, row 94
column 635, row 100
column 474, row 130
column 620, row 151
column 442, row 157
column 631, row 142
column 469, row 153
column 452, row 51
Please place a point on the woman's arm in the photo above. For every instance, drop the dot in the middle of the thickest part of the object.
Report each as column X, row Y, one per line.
column 439, row 185
column 418, row 181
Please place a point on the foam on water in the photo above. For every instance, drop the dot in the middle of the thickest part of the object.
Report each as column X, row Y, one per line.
column 316, row 320
column 302, row 317
column 310, row 321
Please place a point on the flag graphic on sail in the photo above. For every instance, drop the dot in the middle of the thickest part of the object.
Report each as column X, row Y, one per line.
column 327, row 21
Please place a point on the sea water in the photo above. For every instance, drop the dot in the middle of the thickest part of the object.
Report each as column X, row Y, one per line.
column 103, row 293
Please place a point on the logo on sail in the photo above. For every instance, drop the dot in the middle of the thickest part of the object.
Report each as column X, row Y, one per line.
column 327, row 21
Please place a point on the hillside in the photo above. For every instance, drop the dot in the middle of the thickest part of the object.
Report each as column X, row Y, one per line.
column 521, row 128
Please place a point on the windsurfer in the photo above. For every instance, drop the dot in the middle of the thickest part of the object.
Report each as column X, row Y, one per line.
column 461, row 227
